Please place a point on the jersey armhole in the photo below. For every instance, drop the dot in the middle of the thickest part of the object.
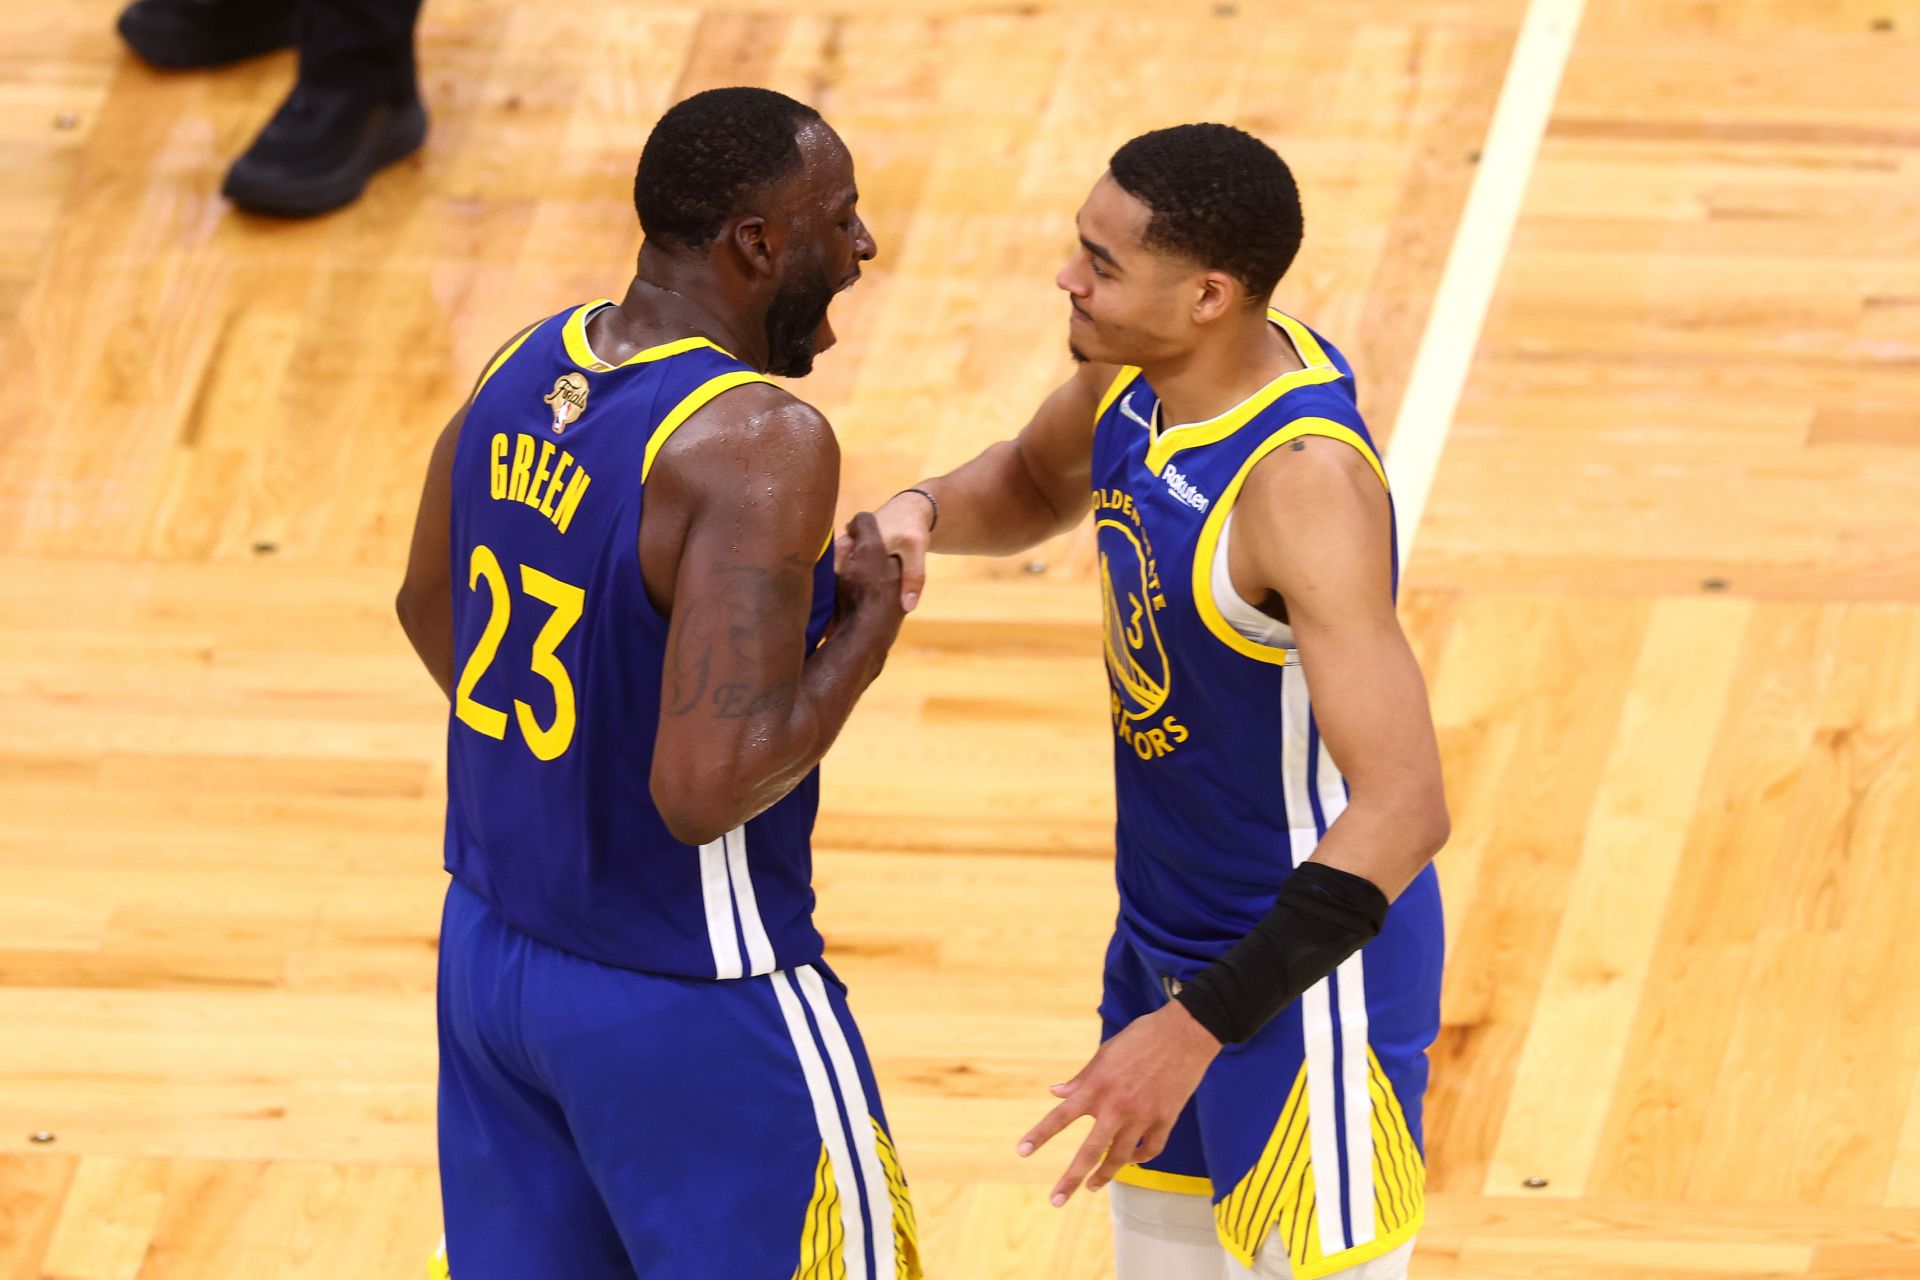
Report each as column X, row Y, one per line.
column 1204, row 600
column 690, row 404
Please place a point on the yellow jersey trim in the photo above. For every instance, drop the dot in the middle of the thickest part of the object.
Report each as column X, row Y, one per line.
column 1378, row 1247
column 1217, row 520
column 506, row 353
column 1303, row 340
column 695, row 400
column 1186, row 1184
column 1193, row 435
column 574, row 335
column 1121, row 381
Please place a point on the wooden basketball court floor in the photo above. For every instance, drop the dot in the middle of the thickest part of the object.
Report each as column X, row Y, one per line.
column 1666, row 591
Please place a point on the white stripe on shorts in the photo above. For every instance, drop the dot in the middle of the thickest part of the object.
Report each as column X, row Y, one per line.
column 826, row 1114
column 860, row 1115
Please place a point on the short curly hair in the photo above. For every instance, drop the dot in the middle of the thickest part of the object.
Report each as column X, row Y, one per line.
column 1217, row 195
column 710, row 155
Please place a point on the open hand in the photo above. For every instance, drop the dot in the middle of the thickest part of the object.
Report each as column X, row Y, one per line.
column 1134, row 1088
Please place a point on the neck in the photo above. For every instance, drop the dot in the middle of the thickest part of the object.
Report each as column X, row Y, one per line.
column 1222, row 371
column 674, row 297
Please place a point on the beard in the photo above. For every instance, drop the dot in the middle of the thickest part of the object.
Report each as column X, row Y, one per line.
column 793, row 322
column 1074, row 349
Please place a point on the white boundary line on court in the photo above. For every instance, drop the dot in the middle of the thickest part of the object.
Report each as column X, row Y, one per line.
column 1445, row 353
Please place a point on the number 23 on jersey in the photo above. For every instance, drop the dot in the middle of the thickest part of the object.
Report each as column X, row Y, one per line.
column 567, row 602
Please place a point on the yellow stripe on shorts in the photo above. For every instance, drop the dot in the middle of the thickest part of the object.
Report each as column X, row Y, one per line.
column 906, row 1235
column 1280, row 1193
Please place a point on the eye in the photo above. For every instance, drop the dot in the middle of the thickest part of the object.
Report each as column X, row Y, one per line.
column 1098, row 270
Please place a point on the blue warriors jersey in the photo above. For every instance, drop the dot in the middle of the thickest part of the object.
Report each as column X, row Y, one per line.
column 1223, row 786
column 558, row 654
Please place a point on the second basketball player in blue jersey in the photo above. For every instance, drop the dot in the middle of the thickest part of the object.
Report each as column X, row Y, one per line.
column 1257, row 1098
column 621, row 578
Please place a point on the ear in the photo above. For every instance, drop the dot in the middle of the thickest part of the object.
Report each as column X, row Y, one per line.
column 1219, row 294
column 751, row 240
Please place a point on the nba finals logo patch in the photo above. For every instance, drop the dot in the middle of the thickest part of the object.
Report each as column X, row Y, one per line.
column 568, row 399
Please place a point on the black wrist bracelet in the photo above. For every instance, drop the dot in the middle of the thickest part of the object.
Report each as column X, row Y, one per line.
column 931, row 501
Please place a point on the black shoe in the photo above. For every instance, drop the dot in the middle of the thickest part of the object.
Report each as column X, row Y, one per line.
column 178, row 34
column 319, row 149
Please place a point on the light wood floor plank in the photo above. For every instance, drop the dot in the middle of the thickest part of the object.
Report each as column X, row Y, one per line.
column 1667, row 596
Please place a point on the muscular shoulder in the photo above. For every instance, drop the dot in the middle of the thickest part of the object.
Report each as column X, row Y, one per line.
column 757, row 429
column 766, row 419
column 1314, row 473
column 754, row 473
column 1316, row 521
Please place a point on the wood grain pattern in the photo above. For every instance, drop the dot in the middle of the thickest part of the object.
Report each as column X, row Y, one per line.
column 1680, row 891
column 1707, row 325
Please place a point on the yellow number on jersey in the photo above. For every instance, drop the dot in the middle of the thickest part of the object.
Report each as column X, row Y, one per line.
column 476, row 715
column 567, row 600
column 568, row 603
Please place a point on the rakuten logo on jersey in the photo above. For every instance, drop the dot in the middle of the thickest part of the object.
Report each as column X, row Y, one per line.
column 1182, row 488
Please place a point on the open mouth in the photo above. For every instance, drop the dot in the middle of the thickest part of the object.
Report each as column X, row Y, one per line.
column 824, row 336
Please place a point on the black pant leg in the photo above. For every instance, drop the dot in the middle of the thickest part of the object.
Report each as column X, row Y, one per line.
column 363, row 45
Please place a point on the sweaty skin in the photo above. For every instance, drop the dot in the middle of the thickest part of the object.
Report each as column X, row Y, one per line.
column 739, row 504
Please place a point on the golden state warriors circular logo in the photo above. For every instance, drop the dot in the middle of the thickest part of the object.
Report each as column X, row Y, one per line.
column 1136, row 659
column 1131, row 595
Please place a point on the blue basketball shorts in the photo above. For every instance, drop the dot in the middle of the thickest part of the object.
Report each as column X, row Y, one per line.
column 1312, row 1128
column 602, row 1124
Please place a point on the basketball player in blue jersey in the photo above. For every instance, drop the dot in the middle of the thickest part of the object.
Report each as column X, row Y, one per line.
column 1257, row 1098
column 621, row 577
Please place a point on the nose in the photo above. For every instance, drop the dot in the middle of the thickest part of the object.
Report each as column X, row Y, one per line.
column 864, row 249
column 1070, row 281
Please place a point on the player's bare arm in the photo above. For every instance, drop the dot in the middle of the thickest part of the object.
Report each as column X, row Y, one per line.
column 425, row 601
column 740, row 506
column 1317, row 543
column 1015, row 494
column 1312, row 538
